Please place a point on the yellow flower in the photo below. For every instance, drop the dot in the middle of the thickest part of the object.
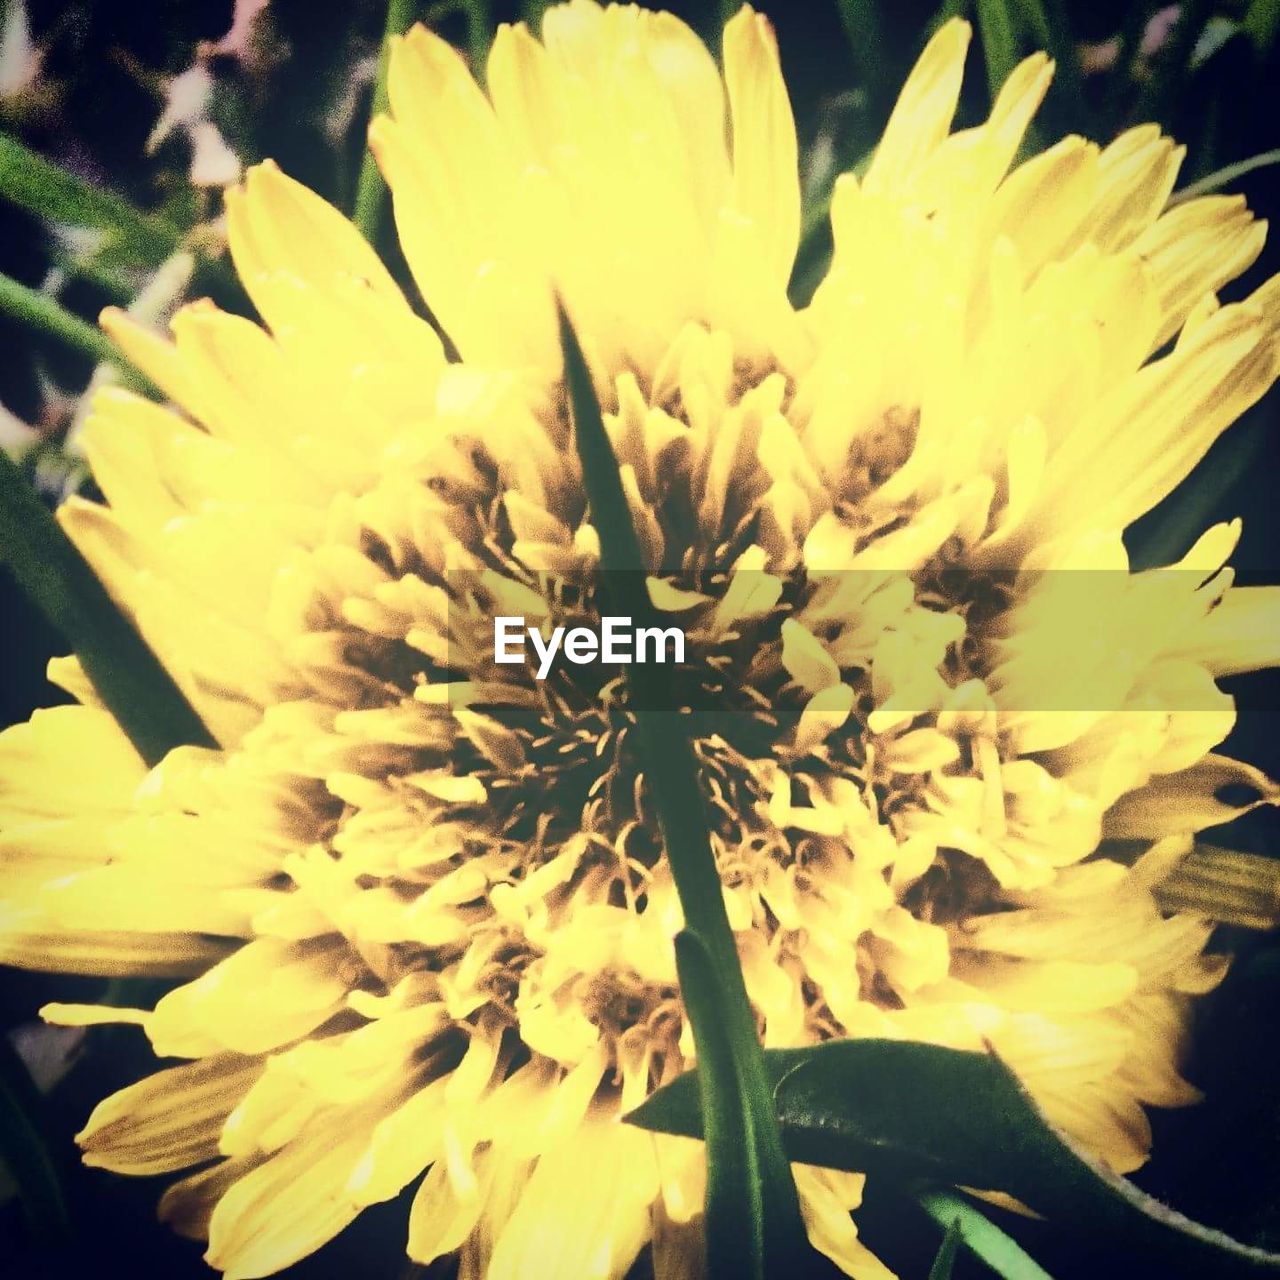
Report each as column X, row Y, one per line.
column 417, row 898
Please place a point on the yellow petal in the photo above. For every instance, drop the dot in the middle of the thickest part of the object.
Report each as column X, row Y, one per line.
column 766, row 183
column 922, row 115
column 168, row 1120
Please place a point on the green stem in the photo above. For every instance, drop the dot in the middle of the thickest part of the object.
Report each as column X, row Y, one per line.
column 1223, row 177
column 39, row 311
column 370, row 189
column 982, row 1237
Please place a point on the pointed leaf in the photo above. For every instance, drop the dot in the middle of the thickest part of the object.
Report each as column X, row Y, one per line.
column 945, row 1259
column 920, row 1113
column 981, row 1237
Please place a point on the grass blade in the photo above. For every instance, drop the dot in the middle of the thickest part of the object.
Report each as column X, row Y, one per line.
column 735, row 1239
column 130, row 237
column 999, row 41
column 128, row 677
column 370, row 189
column 982, row 1237
column 48, row 191
column 671, row 771
column 945, row 1260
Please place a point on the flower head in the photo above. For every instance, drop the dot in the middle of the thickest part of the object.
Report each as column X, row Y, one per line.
column 418, row 899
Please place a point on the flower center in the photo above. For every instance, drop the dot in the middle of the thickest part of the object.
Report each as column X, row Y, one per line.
column 487, row 815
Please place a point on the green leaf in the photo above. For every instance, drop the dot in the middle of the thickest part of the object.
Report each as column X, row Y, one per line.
column 981, row 1236
column 945, row 1260
column 922, row 1114
column 136, row 689
column 671, row 777
column 23, row 1149
column 999, row 41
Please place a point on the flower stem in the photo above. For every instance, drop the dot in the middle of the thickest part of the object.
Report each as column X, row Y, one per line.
column 46, row 315
column 39, row 311
column 1225, row 176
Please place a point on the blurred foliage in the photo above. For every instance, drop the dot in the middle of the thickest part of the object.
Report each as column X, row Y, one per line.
column 126, row 120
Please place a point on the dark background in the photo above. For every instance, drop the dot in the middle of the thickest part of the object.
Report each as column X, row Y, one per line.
column 91, row 109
